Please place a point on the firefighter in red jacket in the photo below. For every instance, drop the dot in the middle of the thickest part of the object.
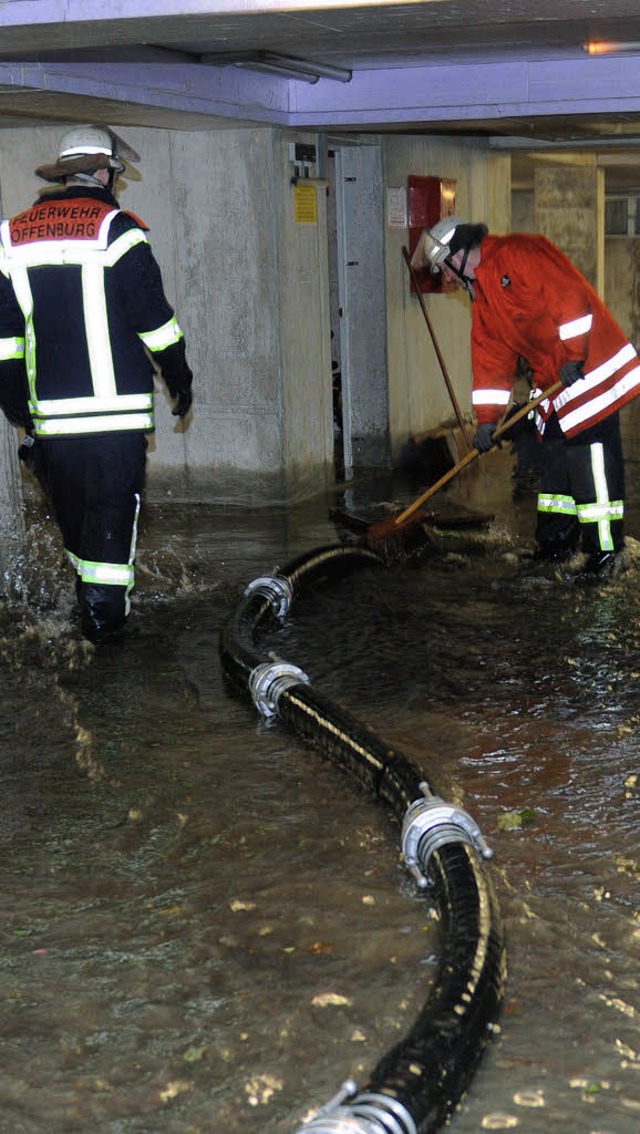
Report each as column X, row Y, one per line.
column 530, row 301
column 82, row 315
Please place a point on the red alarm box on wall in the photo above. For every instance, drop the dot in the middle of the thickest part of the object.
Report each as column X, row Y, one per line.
column 430, row 199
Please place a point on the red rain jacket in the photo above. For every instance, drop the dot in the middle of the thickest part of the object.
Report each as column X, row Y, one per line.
column 532, row 301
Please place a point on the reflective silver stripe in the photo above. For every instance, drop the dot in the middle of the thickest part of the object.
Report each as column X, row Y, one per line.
column 603, row 502
column 564, row 505
column 117, row 423
column 490, row 398
column 72, row 150
column 575, row 327
column 94, row 306
column 11, row 348
column 48, row 252
column 607, row 398
column 22, row 290
column 591, row 512
column 600, row 374
column 606, row 369
column 59, row 407
column 163, row 336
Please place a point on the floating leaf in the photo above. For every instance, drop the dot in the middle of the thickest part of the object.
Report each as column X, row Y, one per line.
column 516, row 820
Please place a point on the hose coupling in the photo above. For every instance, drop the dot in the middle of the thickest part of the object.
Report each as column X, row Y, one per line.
column 268, row 681
column 278, row 589
column 431, row 823
column 369, row 1113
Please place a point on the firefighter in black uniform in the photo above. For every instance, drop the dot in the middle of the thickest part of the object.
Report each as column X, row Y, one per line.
column 82, row 315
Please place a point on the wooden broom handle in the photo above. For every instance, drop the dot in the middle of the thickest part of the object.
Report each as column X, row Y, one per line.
column 436, row 347
column 501, row 428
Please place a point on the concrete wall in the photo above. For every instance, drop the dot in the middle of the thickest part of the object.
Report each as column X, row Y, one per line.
column 419, row 399
column 250, row 288
column 622, row 283
column 569, row 209
column 250, row 285
column 304, row 330
column 11, row 511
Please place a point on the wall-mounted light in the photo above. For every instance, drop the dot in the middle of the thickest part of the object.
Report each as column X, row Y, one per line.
column 609, row 47
column 290, row 67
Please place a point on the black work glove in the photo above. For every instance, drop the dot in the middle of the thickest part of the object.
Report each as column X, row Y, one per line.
column 26, row 451
column 571, row 372
column 524, row 425
column 183, row 400
column 483, row 437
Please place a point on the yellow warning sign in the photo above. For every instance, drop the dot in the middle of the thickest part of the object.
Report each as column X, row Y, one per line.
column 305, row 204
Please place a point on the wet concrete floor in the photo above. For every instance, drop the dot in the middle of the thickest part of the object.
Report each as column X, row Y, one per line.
column 207, row 927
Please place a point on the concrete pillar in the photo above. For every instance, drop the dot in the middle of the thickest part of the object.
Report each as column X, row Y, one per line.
column 11, row 500
column 569, row 209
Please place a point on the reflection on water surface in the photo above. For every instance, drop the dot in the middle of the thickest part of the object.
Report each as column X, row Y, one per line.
column 206, row 925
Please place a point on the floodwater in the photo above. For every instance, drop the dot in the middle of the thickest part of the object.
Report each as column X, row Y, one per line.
column 207, row 927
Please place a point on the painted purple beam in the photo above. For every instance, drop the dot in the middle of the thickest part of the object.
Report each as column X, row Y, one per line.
column 224, row 92
column 23, row 13
column 403, row 96
column 517, row 88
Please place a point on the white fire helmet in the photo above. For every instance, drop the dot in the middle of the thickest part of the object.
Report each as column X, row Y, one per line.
column 84, row 149
column 433, row 245
column 89, row 140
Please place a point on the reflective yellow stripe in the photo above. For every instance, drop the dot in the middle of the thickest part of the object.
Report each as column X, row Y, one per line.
column 162, row 336
column 562, row 505
column 96, row 321
column 590, row 513
column 122, row 245
column 65, row 407
column 108, row 423
column 11, row 348
column 111, row 574
column 132, row 556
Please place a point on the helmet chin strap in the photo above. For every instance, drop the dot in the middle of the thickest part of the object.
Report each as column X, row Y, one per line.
column 90, row 179
column 466, row 282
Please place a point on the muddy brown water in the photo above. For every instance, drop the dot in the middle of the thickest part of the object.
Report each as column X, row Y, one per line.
column 207, row 927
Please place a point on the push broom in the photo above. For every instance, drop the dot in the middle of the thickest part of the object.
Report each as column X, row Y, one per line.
column 387, row 536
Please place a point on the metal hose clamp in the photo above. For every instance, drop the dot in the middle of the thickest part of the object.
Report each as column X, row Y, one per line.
column 278, row 589
column 391, row 1115
column 268, row 681
column 329, row 1119
column 431, row 823
column 367, row 1114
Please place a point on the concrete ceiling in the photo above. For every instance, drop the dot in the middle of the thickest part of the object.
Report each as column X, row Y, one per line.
column 512, row 71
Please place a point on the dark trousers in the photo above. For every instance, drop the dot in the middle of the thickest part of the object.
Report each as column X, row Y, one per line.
column 95, row 484
column 581, row 488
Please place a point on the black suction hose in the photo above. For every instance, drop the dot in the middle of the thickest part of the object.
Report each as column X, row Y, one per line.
column 416, row 1085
